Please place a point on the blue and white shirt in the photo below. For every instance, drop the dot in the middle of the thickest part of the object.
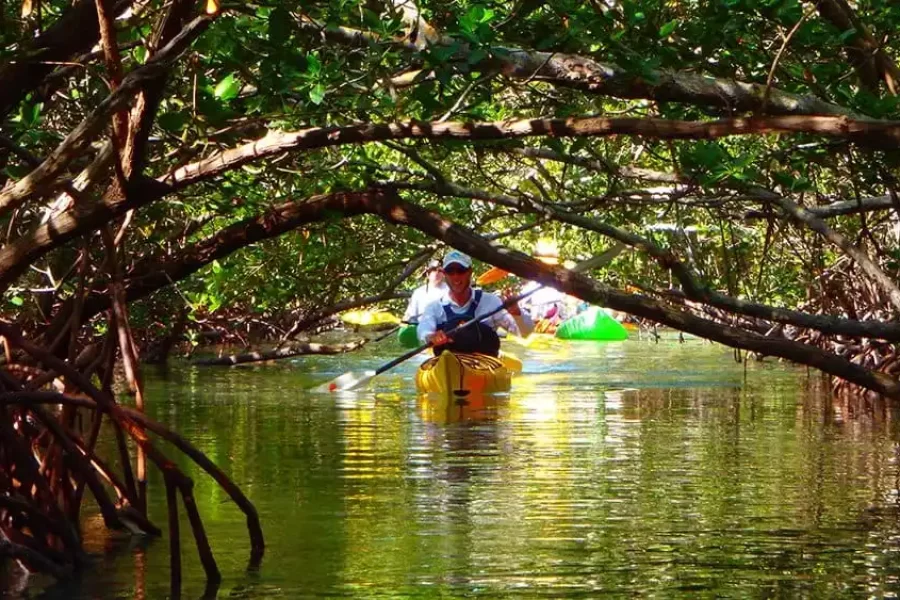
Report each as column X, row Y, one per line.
column 434, row 315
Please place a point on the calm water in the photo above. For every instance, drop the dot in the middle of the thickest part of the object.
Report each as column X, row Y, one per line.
column 629, row 469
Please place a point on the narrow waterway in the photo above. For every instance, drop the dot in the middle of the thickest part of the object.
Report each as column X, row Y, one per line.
column 629, row 469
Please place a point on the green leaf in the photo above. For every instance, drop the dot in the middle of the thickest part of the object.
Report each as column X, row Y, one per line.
column 32, row 114
column 140, row 54
column 172, row 121
column 439, row 54
column 556, row 145
column 317, row 94
column 471, row 19
column 668, row 28
column 16, row 301
column 578, row 145
column 477, row 55
column 313, row 64
column 228, row 88
column 279, row 26
column 847, row 35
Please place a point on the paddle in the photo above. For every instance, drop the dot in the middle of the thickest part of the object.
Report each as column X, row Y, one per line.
column 352, row 380
column 492, row 275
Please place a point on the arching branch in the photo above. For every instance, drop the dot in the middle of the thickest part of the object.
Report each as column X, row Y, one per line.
column 43, row 177
column 76, row 31
column 386, row 204
column 693, row 289
column 15, row 257
column 605, row 79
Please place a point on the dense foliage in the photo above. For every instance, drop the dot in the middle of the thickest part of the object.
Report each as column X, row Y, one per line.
column 270, row 163
column 262, row 67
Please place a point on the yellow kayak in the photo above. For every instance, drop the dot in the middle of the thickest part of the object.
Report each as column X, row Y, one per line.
column 434, row 408
column 536, row 340
column 477, row 373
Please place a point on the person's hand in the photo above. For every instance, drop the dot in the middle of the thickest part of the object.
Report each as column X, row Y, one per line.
column 513, row 308
column 438, row 338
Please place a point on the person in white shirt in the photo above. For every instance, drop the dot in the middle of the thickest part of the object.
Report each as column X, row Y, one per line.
column 433, row 290
column 545, row 303
column 461, row 303
column 547, row 306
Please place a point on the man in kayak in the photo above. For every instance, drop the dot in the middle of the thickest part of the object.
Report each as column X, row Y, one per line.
column 461, row 303
column 433, row 290
column 547, row 305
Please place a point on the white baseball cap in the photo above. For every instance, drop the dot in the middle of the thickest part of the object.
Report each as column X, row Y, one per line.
column 455, row 256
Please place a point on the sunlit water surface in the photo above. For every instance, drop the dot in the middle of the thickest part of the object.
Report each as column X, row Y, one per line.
column 628, row 469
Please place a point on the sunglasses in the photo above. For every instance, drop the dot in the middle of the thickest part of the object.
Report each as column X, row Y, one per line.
column 455, row 270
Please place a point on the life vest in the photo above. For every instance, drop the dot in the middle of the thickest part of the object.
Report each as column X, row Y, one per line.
column 479, row 338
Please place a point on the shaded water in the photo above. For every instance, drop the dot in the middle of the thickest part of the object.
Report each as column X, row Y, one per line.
column 630, row 468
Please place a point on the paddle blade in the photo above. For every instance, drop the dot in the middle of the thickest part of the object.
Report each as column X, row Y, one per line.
column 492, row 275
column 346, row 382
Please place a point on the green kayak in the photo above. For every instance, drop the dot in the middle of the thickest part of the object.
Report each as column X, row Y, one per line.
column 592, row 324
column 407, row 336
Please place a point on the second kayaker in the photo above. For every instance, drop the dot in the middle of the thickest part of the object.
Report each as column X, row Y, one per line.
column 462, row 303
column 433, row 290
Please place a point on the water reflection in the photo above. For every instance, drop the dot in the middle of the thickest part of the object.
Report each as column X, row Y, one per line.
column 632, row 469
column 441, row 409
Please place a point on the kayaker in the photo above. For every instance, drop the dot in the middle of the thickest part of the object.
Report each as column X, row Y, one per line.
column 433, row 290
column 462, row 303
column 547, row 306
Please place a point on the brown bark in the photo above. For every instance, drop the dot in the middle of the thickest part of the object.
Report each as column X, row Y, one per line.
column 885, row 134
column 113, row 62
column 75, row 32
column 257, row 544
column 107, row 404
column 866, row 265
column 147, row 102
column 383, row 202
column 387, row 205
column 836, row 209
column 599, row 166
column 16, row 256
column 691, row 286
column 608, row 79
column 870, row 61
column 129, row 353
column 42, row 179
column 587, row 289
column 287, row 352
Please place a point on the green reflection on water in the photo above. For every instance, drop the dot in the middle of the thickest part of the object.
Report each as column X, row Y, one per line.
column 630, row 468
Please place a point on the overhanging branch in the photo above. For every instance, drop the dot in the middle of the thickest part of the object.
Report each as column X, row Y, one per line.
column 14, row 257
column 386, row 204
column 604, row 79
column 691, row 286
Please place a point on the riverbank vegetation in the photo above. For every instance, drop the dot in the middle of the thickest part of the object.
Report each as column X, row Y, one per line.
column 265, row 166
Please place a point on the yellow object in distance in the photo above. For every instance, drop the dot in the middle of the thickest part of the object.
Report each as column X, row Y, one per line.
column 369, row 317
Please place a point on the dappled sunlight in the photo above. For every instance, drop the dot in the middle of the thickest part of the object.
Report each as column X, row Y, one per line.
column 626, row 455
column 248, row 195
